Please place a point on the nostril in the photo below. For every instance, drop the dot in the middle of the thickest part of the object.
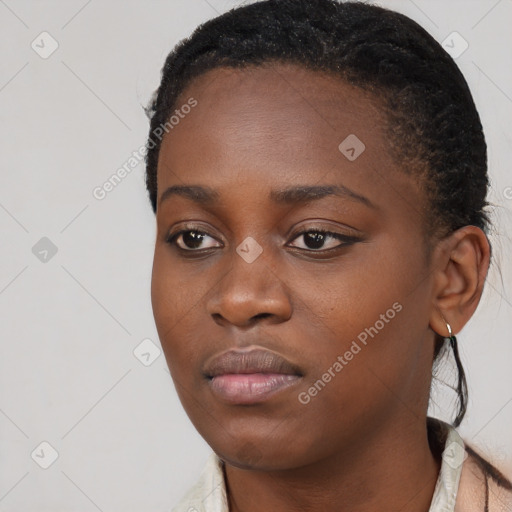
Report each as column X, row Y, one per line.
column 245, row 321
column 261, row 315
column 217, row 317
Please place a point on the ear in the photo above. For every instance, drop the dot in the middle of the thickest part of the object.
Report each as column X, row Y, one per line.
column 460, row 263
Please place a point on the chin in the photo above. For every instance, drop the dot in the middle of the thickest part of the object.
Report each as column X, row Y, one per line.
column 264, row 457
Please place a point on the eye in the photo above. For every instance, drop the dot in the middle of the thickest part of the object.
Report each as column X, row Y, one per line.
column 191, row 240
column 315, row 239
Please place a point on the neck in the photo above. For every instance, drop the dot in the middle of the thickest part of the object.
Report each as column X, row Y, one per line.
column 385, row 473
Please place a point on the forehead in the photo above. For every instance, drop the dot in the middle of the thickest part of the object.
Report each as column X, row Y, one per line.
column 280, row 123
column 252, row 104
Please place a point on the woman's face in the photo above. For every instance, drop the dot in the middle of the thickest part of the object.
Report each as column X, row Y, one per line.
column 349, row 312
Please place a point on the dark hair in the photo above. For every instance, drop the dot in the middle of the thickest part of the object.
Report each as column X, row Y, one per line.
column 433, row 126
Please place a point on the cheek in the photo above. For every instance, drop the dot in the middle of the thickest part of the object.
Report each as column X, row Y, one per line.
column 164, row 296
column 373, row 371
column 348, row 296
column 175, row 299
column 369, row 320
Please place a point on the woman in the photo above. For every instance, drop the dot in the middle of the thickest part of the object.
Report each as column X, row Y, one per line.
column 318, row 174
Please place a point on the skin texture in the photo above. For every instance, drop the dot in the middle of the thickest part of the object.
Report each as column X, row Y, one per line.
column 361, row 443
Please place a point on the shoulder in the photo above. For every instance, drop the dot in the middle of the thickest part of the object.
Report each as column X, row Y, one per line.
column 482, row 486
column 468, row 482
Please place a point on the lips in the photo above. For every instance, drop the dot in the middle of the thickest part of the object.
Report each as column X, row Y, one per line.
column 246, row 377
column 253, row 361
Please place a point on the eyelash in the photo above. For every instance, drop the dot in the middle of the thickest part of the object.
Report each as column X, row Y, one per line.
column 346, row 240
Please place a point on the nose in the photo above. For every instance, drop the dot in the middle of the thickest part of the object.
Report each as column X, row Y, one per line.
column 248, row 293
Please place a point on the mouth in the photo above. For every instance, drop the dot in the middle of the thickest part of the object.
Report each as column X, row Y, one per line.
column 248, row 377
column 250, row 388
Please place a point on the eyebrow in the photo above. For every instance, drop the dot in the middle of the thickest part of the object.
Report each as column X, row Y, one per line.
column 291, row 195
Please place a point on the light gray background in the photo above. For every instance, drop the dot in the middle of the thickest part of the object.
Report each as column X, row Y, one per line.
column 68, row 374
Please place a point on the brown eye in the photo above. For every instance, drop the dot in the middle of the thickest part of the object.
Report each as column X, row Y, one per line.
column 319, row 239
column 191, row 240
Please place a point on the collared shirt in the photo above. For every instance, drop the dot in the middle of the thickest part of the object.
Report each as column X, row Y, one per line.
column 460, row 485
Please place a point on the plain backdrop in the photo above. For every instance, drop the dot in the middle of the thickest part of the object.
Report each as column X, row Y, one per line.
column 75, row 270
